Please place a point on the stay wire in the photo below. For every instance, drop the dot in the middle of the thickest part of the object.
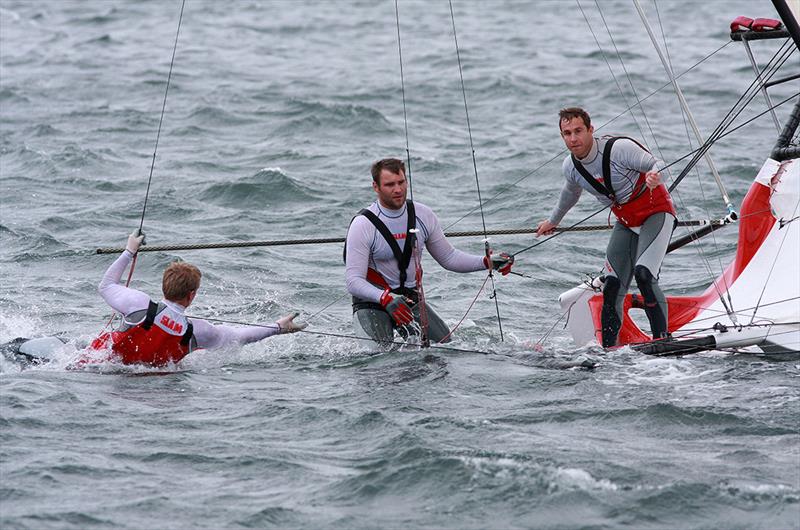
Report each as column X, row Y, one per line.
column 161, row 119
column 737, row 108
column 710, row 273
column 600, row 127
column 735, row 111
column 703, row 259
column 340, row 335
column 731, row 131
column 415, row 251
column 155, row 150
column 698, row 248
column 403, row 92
column 487, row 249
column 772, row 268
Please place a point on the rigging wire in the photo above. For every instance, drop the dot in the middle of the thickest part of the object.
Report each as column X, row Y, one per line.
column 694, row 152
column 487, row 249
column 415, row 251
column 706, row 263
column 161, row 119
column 158, row 136
column 772, row 268
column 736, row 110
column 710, row 273
column 600, row 127
column 342, row 335
column 403, row 91
column 155, row 150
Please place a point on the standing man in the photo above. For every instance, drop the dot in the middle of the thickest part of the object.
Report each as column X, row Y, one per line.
column 624, row 175
column 382, row 276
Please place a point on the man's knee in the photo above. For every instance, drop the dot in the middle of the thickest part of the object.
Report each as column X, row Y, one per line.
column 645, row 281
column 611, row 289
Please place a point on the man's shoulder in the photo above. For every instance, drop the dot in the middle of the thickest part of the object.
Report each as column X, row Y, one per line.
column 623, row 145
column 422, row 208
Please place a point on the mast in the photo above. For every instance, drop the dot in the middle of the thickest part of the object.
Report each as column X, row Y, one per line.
column 789, row 14
column 783, row 149
column 685, row 106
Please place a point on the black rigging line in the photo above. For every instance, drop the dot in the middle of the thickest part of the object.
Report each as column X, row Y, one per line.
column 161, row 119
column 403, row 90
column 737, row 108
column 600, row 127
column 687, row 155
column 487, row 249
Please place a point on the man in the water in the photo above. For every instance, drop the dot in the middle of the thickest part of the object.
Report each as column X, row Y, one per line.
column 627, row 178
column 153, row 333
column 382, row 276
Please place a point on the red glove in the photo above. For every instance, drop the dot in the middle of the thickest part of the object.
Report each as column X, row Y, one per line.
column 397, row 307
column 501, row 263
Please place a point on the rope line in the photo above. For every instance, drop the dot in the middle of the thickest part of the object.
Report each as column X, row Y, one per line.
column 318, row 241
column 415, row 251
column 161, row 119
column 467, row 312
column 598, row 128
column 487, row 248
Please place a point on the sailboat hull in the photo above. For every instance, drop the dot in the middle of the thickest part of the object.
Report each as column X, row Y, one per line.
column 761, row 286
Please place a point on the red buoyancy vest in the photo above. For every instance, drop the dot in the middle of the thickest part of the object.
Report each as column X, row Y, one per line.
column 643, row 204
column 157, row 341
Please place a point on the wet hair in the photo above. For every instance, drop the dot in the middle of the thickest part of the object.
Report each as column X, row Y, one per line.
column 574, row 112
column 392, row 165
column 179, row 279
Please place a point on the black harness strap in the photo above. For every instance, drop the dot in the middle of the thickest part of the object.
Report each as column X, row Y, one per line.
column 187, row 337
column 152, row 311
column 403, row 257
column 606, row 188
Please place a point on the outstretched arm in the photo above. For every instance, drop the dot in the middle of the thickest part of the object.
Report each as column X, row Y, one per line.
column 211, row 336
column 570, row 194
column 448, row 256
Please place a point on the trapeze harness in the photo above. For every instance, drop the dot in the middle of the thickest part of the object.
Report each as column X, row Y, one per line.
column 151, row 341
column 640, row 206
column 403, row 258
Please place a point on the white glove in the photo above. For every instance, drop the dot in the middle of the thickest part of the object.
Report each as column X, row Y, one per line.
column 134, row 241
column 286, row 324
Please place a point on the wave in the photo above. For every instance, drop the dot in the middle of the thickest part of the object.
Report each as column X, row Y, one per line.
column 216, row 117
column 313, row 115
column 268, row 187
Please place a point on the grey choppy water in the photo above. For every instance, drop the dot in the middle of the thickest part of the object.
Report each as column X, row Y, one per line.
column 275, row 112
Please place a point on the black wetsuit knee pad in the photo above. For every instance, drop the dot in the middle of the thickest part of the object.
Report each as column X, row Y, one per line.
column 611, row 290
column 644, row 280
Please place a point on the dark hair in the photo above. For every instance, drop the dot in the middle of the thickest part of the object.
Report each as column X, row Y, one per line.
column 574, row 112
column 392, row 165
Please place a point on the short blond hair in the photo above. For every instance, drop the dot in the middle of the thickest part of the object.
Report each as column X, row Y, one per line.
column 179, row 279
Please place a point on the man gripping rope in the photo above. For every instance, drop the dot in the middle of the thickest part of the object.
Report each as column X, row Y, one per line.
column 151, row 333
column 621, row 174
column 380, row 272
column 159, row 333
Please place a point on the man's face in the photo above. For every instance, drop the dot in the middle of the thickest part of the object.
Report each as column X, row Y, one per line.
column 577, row 137
column 392, row 189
